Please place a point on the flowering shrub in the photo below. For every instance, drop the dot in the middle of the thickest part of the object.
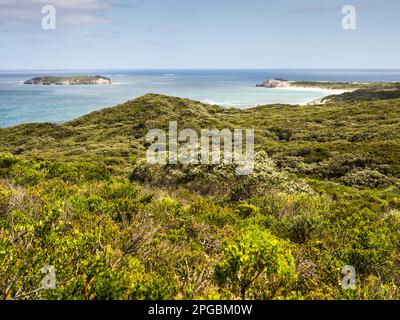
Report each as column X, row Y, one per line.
column 366, row 178
column 221, row 180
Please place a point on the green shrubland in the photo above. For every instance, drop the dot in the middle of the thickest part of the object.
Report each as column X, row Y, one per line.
column 324, row 194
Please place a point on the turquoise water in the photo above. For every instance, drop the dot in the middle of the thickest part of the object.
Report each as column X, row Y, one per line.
column 21, row 103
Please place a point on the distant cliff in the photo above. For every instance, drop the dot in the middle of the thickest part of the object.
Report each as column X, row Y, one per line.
column 78, row 80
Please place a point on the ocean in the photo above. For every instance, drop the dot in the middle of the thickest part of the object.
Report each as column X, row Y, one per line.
column 21, row 103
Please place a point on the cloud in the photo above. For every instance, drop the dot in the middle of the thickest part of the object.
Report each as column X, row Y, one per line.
column 127, row 3
column 70, row 13
column 322, row 8
column 149, row 44
column 18, row 19
column 90, row 4
column 160, row 29
column 62, row 4
column 315, row 9
column 74, row 4
column 78, row 19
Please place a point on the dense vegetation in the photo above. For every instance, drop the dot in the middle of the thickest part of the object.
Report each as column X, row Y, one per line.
column 375, row 91
column 325, row 193
column 347, row 85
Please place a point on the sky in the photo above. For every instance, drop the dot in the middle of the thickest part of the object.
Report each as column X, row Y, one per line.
column 191, row 34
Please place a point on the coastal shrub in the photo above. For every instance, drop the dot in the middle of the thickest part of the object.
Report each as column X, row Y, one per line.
column 111, row 239
column 221, row 180
column 77, row 171
column 295, row 217
column 302, row 226
column 341, row 164
column 7, row 160
column 27, row 173
column 31, row 172
column 366, row 178
column 85, row 253
column 4, row 197
column 392, row 218
column 256, row 265
column 246, row 210
column 212, row 213
column 201, row 232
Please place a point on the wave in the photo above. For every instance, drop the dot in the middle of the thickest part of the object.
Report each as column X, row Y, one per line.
column 220, row 103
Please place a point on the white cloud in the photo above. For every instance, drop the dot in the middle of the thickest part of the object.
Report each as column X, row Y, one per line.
column 322, row 8
column 66, row 4
column 74, row 4
column 17, row 14
column 78, row 19
column 160, row 29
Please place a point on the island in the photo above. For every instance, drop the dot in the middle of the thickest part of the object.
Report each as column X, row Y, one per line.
column 75, row 80
column 329, row 85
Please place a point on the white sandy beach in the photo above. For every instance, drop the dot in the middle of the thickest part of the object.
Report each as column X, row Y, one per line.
column 311, row 89
column 328, row 92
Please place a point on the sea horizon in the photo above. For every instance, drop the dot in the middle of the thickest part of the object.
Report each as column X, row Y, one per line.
column 92, row 70
column 231, row 88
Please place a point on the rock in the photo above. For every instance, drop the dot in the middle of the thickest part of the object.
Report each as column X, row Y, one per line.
column 275, row 83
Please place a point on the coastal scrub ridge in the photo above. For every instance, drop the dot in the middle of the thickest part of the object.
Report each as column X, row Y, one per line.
column 325, row 193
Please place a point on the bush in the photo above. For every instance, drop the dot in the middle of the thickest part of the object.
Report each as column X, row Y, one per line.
column 31, row 172
column 246, row 210
column 256, row 265
column 366, row 178
column 4, row 197
column 221, row 180
column 7, row 160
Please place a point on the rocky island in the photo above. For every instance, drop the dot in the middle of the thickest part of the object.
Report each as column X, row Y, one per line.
column 275, row 83
column 76, row 80
column 329, row 85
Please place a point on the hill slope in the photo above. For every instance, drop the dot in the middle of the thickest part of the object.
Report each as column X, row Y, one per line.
column 302, row 139
column 325, row 194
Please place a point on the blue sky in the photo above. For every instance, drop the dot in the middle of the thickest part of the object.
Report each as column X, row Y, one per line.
column 140, row 34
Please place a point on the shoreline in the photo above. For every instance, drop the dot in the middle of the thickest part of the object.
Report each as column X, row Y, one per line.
column 332, row 91
column 324, row 88
column 329, row 92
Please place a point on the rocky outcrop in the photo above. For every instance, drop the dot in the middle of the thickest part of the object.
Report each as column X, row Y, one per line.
column 329, row 85
column 275, row 83
column 78, row 80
